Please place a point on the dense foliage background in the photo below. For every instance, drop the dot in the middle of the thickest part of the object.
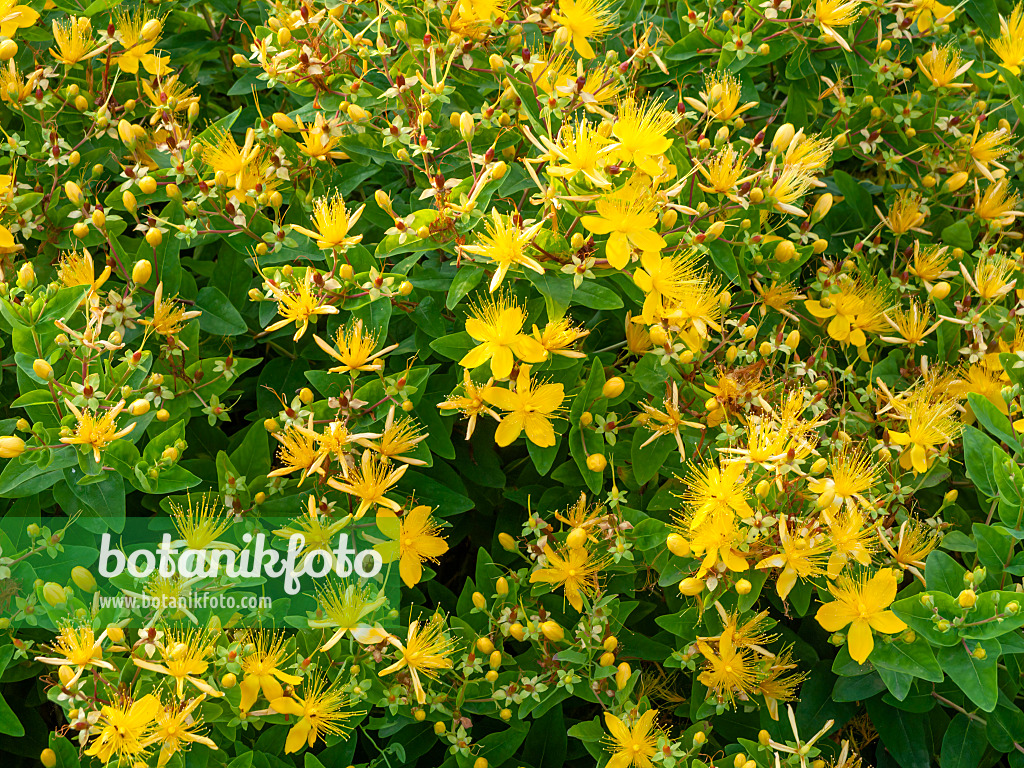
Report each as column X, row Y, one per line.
column 669, row 354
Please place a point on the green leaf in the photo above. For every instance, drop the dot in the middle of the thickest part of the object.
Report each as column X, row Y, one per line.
column 977, row 678
column 915, row 659
column 466, row 279
column 958, row 235
column 919, row 617
column 978, row 449
column 856, row 196
column 902, row 733
column 994, row 548
column 9, row 723
column 219, row 315
column 944, row 574
column 963, row 744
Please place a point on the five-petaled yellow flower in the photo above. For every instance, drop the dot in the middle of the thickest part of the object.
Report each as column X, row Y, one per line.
column 498, row 324
column 530, row 407
column 413, row 541
column 632, row 745
column 861, row 604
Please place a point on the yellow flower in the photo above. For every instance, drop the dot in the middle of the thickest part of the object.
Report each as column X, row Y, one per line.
column 853, row 473
column 666, row 281
column 498, row 325
column 299, row 304
column 473, row 18
column 987, row 149
column 929, row 427
column 425, row 651
column 717, row 539
column 800, row 557
column 854, row 310
column 200, row 524
column 580, row 149
column 723, row 173
column 789, row 186
column 398, row 439
column 138, row 32
column 927, row 12
column 913, row 544
column 559, row 76
column 298, row 451
column 177, row 727
column 96, row 432
column 168, row 315
column 344, row 609
column 471, row 403
column 997, row 205
column 666, row 422
column 720, row 99
column 930, row 263
column 905, row 214
column 505, row 244
column 354, row 350
column 76, row 268
column 981, row 380
column 125, row 729
column 558, row 337
column 713, row 489
column 991, row 276
column 632, row 745
column 261, row 669
column 78, row 648
column 1009, row 46
column 861, row 605
column 628, row 215
column 183, row 653
column 850, row 539
column 319, row 714
column 641, row 128
column 832, row 14
column 73, row 37
column 14, row 90
column 14, row 17
column 942, row 66
column 370, row 481
column 728, row 672
column 333, row 223
column 774, row 687
column 414, row 540
column 913, row 324
column 317, row 141
column 808, row 154
column 224, row 156
column 575, row 570
column 529, row 407
column 584, row 19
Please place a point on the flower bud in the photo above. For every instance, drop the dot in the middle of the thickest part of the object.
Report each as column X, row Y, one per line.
column 141, row 271
column 73, row 192
column 384, row 201
column 577, row 537
column 517, row 631
column 950, row 496
column 596, row 462
column 47, row 757
column 501, row 586
column 677, row 545
column 552, row 631
column 484, row 645
column 129, row 201
column 821, row 207
column 743, row 587
column 151, row 30
column 819, row 466
column 26, row 276
column 54, row 594
column 785, row 251
column 83, row 578
column 956, row 181
column 507, row 542
column 8, row 50
column 466, row 126
column 783, row 137
column 126, row 133
column 139, row 408
column 691, row 586
column 285, row 123
column 42, row 369
column 967, row 598
column 11, row 447
column 622, row 675
column 793, row 339
column 613, row 387
column 479, row 601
